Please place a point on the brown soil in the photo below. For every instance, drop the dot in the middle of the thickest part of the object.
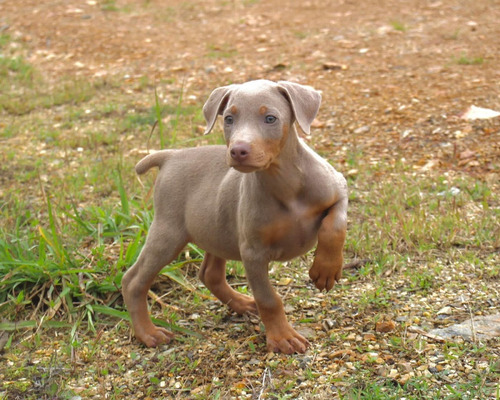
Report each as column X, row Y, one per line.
column 395, row 75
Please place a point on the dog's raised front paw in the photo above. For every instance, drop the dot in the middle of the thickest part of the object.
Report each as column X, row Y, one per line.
column 324, row 275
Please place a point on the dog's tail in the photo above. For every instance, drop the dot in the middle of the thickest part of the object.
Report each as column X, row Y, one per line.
column 156, row 159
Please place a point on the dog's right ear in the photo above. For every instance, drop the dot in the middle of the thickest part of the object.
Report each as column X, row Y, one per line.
column 215, row 105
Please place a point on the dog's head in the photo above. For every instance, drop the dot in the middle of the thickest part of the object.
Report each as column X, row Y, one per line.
column 258, row 116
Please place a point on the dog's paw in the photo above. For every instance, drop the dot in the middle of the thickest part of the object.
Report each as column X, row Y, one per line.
column 325, row 276
column 155, row 336
column 288, row 342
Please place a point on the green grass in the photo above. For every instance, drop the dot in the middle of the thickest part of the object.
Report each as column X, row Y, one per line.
column 18, row 102
column 418, row 215
column 4, row 40
column 109, row 5
column 22, row 90
column 416, row 389
column 17, row 70
column 399, row 26
column 60, row 256
column 465, row 59
column 226, row 51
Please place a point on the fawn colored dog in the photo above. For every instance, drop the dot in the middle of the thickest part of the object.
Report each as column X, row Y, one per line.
column 265, row 196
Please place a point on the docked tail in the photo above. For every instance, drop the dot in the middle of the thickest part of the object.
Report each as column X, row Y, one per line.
column 151, row 160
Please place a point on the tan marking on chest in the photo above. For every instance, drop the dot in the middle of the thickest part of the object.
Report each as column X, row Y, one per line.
column 292, row 223
column 276, row 230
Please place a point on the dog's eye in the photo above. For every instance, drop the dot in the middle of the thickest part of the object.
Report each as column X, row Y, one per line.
column 270, row 119
column 228, row 120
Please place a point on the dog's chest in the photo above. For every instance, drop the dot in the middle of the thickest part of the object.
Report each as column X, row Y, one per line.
column 291, row 232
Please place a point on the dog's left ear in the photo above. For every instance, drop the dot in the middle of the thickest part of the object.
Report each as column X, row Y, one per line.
column 215, row 105
column 305, row 102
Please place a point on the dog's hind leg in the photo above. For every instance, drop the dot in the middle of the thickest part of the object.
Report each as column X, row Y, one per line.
column 162, row 245
column 213, row 275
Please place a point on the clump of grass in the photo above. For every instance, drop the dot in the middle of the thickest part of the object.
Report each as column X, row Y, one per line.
column 14, row 71
column 22, row 91
column 45, row 268
column 4, row 40
column 464, row 59
column 167, row 122
column 109, row 5
column 300, row 34
column 215, row 51
column 452, row 36
column 419, row 215
column 399, row 26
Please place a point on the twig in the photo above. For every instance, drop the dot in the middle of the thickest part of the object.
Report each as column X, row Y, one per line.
column 437, row 338
column 4, row 338
column 163, row 305
column 472, row 326
column 357, row 263
column 266, row 380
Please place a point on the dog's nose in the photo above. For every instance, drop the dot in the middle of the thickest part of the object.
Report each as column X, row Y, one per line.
column 240, row 151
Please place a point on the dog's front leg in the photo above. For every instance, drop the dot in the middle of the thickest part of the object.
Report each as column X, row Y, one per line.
column 280, row 335
column 328, row 260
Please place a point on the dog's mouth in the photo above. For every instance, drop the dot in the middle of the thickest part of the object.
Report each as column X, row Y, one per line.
column 248, row 166
column 251, row 164
column 245, row 168
column 248, row 160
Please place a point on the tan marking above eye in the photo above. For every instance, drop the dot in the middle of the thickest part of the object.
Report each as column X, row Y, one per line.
column 262, row 110
column 234, row 110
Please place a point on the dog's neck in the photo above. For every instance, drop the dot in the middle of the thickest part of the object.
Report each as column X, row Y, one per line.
column 284, row 178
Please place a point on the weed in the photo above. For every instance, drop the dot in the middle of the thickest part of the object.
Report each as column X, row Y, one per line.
column 453, row 36
column 467, row 60
column 159, row 120
column 15, row 70
column 109, row 5
column 300, row 34
column 16, row 102
column 215, row 51
column 399, row 26
column 4, row 40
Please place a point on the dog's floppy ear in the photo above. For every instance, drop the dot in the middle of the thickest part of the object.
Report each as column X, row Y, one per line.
column 215, row 105
column 305, row 102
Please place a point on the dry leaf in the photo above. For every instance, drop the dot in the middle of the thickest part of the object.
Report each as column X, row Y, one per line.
column 385, row 326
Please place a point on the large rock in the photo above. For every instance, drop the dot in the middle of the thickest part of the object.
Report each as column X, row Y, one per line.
column 483, row 328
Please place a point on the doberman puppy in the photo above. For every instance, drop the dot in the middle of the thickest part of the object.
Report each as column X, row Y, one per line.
column 265, row 196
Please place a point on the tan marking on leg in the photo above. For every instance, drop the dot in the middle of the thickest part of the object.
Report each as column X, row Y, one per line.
column 328, row 260
column 213, row 275
column 280, row 335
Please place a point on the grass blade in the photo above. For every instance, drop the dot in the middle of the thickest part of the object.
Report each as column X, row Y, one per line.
column 125, row 316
